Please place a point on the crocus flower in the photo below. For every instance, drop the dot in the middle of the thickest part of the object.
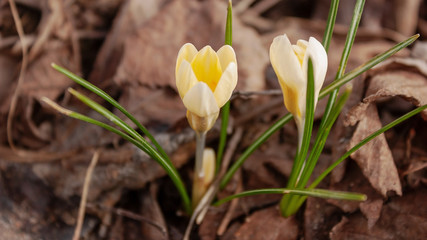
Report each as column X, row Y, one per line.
column 205, row 80
column 290, row 62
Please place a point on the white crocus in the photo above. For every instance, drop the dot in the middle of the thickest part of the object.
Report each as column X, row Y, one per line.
column 205, row 80
column 290, row 62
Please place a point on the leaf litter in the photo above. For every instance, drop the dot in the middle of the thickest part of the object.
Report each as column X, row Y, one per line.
column 39, row 192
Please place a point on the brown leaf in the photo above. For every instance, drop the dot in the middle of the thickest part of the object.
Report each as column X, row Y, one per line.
column 268, row 224
column 132, row 15
column 41, row 80
column 375, row 158
column 158, row 106
column 150, row 55
column 406, row 78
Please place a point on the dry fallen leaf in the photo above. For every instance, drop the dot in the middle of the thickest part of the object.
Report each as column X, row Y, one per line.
column 150, row 55
column 268, row 224
column 393, row 78
column 375, row 158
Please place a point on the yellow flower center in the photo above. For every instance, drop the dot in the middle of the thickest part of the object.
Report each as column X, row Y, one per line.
column 206, row 67
column 300, row 50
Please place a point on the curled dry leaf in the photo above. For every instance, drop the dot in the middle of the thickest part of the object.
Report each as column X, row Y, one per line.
column 375, row 158
column 394, row 78
column 405, row 78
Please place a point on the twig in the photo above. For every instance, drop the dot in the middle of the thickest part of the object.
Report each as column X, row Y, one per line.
column 233, row 205
column 12, row 108
column 130, row 215
column 248, row 94
column 83, row 200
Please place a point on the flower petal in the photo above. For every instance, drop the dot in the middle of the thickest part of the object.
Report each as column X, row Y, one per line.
column 289, row 71
column 185, row 78
column 187, row 52
column 200, row 100
column 226, row 56
column 206, row 67
column 285, row 63
column 226, row 85
column 320, row 61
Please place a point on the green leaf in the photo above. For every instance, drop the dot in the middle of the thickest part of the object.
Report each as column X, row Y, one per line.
column 113, row 102
column 321, row 193
column 333, row 9
column 132, row 136
column 225, row 111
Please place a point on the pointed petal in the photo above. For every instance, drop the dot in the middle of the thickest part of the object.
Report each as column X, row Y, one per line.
column 187, row 52
column 226, row 56
column 319, row 57
column 289, row 71
column 206, row 67
column 185, row 78
column 200, row 100
column 285, row 63
column 320, row 61
column 226, row 85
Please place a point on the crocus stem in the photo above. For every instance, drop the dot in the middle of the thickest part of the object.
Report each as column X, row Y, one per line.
column 200, row 146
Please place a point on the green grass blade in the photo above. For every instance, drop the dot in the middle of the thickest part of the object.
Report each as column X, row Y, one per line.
column 167, row 165
column 351, row 35
column 324, row 92
column 333, row 9
column 171, row 171
column 229, row 25
column 321, row 193
column 308, row 127
column 225, row 111
column 364, row 141
column 109, row 115
column 321, row 139
column 366, row 66
column 113, row 102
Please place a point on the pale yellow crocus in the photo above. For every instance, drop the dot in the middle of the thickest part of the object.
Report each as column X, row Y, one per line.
column 205, row 80
column 290, row 62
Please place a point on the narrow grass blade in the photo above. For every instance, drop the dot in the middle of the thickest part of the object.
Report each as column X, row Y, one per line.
column 333, row 9
column 171, row 171
column 308, row 127
column 324, row 92
column 113, row 102
column 225, row 111
column 351, row 35
column 321, row 193
column 321, row 138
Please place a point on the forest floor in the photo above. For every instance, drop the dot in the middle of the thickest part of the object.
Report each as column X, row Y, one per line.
column 129, row 48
